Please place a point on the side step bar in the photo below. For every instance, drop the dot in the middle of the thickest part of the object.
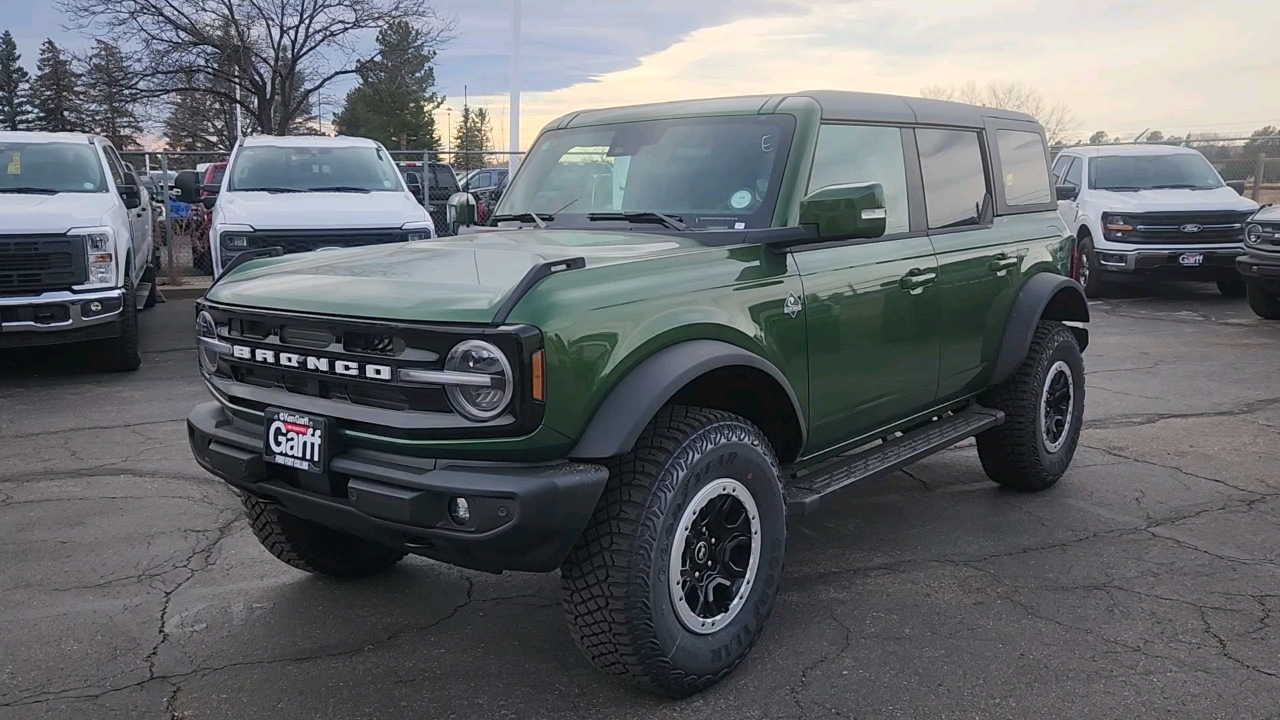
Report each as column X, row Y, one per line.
column 805, row 494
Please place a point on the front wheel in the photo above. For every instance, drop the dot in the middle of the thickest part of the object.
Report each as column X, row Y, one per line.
column 1264, row 303
column 123, row 353
column 1232, row 286
column 676, row 574
column 1043, row 404
column 1087, row 272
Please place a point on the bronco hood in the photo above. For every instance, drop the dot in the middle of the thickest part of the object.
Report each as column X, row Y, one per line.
column 465, row 279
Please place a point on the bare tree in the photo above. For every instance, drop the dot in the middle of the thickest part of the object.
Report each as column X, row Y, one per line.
column 272, row 57
column 1057, row 118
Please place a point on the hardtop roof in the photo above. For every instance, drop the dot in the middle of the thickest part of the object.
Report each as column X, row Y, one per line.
column 1129, row 149
column 835, row 104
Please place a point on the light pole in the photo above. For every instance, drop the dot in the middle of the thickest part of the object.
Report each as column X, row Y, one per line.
column 513, row 145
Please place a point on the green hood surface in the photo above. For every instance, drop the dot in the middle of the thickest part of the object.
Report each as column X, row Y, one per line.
column 464, row 279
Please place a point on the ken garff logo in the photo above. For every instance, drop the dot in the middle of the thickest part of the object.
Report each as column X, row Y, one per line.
column 793, row 306
column 1191, row 228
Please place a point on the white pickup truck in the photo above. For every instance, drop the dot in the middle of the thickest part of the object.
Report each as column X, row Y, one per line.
column 75, row 246
column 308, row 193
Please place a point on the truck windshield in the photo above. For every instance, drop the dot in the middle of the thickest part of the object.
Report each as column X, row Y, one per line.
column 313, row 169
column 709, row 172
column 48, row 168
column 1152, row 172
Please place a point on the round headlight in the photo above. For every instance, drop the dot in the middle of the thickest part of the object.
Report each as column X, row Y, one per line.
column 207, row 328
column 480, row 402
column 1253, row 234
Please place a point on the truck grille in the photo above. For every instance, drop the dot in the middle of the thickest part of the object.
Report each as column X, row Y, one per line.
column 1187, row 228
column 297, row 241
column 31, row 264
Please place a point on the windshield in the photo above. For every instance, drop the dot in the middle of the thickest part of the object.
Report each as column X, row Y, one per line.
column 50, row 168
column 712, row 172
column 1152, row 172
column 314, row 169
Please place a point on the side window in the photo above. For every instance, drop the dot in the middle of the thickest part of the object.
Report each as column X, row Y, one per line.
column 1075, row 173
column 849, row 154
column 1060, row 168
column 955, row 184
column 114, row 164
column 480, row 181
column 1026, row 179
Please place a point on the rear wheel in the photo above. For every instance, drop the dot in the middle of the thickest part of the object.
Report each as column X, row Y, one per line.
column 314, row 548
column 1232, row 286
column 676, row 574
column 1043, row 405
column 1265, row 303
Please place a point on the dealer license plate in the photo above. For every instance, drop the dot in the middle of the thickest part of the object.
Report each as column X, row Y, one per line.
column 1191, row 259
column 296, row 440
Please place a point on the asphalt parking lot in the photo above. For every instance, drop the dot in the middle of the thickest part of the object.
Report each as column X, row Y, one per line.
column 1143, row 585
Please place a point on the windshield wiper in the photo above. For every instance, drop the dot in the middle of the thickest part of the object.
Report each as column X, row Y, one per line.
column 340, row 188
column 1182, row 186
column 270, row 190
column 1123, row 188
column 540, row 220
column 28, row 191
column 674, row 222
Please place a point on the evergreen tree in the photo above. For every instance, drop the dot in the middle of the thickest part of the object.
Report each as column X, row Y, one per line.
column 394, row 102
column 109, row 96
column 472, row 138
column 15, row 82
column 53, row 92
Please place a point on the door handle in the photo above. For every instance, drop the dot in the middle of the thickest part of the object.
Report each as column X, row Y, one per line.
column 1003, row 262
column 915, row 280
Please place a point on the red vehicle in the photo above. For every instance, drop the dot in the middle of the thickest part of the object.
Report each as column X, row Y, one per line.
column 200, row 256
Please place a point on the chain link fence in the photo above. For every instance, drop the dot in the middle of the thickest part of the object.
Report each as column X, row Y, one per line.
column 1252, row 160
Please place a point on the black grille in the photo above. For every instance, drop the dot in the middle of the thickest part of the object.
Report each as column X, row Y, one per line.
column 306, row 241
column 36, row 264
column 1174, row 228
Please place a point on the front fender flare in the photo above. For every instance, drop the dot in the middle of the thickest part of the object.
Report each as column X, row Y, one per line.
column 624, row 414
column 1045, row 296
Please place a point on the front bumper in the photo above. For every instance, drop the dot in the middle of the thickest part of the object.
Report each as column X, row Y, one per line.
column 59, row 317
column 1262, row 269
column 523, row 517
column 1164, row 261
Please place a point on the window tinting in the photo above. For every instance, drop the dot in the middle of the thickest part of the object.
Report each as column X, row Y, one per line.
column 850, row 154
column 1074, row 173
column 955, row 186
column 1026, row 179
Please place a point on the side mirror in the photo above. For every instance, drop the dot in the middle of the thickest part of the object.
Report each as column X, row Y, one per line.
column 187, row 185
column 210, row 189
column 461, row 211
column 129, row 191
column 208, row 201
column 413, row 181
column 1067, row 192
column 1237, row 185
column 846, row 211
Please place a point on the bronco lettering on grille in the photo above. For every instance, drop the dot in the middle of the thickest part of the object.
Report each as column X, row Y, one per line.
column 295, row 361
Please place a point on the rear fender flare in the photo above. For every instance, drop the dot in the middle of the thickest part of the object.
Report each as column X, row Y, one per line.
column 1045, row 296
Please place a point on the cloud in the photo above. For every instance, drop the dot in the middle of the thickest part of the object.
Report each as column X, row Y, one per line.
column 1174, row 65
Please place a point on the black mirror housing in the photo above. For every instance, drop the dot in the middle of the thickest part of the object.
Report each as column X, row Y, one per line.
column 208, row 201
column 187, row 183
column 1067, row 192
column 843, row 212
column 1237, row 185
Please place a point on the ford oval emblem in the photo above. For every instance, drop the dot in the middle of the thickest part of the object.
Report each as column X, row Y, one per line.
column 1192, row 228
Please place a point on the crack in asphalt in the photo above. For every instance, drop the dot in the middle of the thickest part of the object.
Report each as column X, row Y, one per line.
column 1137, row 420
column 63, row 430
column 1188, row 473
column 798, row 689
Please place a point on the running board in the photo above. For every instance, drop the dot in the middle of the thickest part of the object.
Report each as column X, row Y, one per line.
column 805, row 494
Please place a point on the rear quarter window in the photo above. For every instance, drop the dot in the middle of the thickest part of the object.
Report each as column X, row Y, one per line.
column 1022, row 160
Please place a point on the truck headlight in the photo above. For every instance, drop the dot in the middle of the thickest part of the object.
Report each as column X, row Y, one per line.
column 206, row 330
column 1253, row 234
column 479, row 402
column 99, row 245
column 235, row 242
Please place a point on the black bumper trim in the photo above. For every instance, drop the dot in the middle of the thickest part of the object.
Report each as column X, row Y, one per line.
column 523, row 517
column 1262, row 268
column 102, row 331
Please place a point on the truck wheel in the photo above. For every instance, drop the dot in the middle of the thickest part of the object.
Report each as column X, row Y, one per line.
column 1087, row 272
column 1232, row 286
column 122, row 353
column 1043, row 405
column 675, row 575
column 314, row 548
column 1265, row 304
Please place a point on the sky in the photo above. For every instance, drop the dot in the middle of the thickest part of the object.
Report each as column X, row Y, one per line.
column 1123, row 66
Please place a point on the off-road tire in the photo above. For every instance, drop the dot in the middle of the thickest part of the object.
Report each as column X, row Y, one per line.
column 123, row 352
column 314, row 548
column 1087, row 272
column 1232, row 286
column 1264, row 303
column 615, row 580
column 1015, row 454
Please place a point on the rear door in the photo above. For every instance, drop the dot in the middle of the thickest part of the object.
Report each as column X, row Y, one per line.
column 872, row 306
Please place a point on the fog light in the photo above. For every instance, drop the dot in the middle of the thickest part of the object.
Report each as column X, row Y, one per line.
column 459, row 510
column 95, row 307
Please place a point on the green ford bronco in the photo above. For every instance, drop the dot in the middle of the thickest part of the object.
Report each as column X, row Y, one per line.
column 682, row 323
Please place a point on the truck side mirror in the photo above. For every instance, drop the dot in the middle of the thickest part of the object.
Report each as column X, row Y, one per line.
column 187, row 183
column 1067, row 192
column 843, row 212
column 461, row 211
column 1237, row 185
column 129, row 191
